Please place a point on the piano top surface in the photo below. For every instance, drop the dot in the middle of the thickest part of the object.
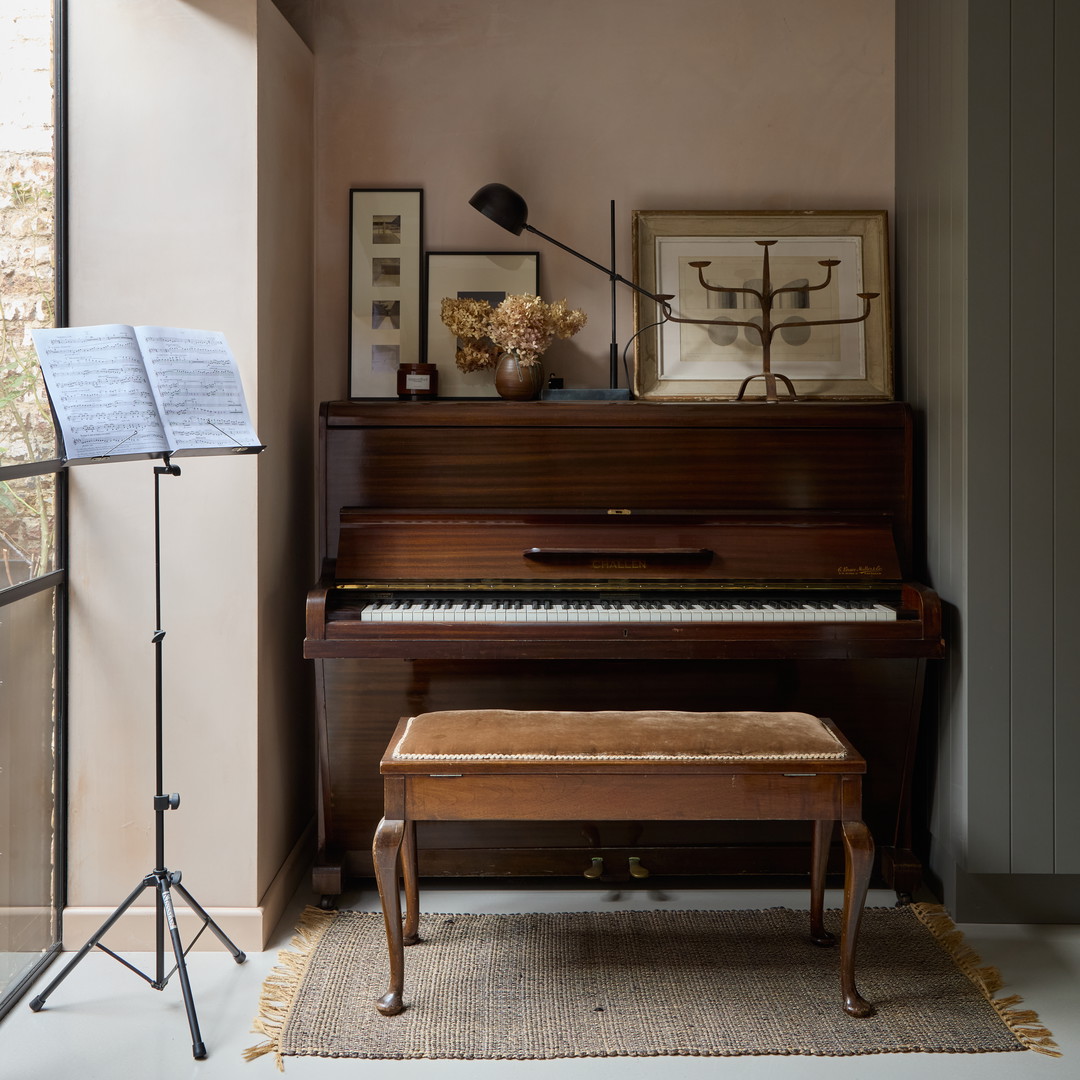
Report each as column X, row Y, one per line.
column 487, row 412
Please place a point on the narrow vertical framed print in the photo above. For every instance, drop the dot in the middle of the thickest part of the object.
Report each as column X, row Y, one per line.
column 385, row 287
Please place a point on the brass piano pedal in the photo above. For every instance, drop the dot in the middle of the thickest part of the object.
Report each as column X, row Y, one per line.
column 636, row 869
column 596, row 869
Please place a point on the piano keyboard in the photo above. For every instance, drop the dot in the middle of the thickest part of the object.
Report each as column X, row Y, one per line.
column 637, row 610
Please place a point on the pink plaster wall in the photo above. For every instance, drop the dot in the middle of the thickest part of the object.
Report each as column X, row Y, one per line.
column 689, row 104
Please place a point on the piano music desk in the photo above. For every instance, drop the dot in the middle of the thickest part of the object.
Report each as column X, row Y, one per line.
column 497, row 764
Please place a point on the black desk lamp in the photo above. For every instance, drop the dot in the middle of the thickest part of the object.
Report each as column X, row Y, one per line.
column 507, row 208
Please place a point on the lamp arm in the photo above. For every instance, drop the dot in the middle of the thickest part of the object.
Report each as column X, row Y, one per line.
column 608, row 271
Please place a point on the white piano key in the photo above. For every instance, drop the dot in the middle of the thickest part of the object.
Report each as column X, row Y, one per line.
column 620, row 610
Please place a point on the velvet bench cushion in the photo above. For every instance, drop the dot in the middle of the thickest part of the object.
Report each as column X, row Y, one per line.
column 538, row 735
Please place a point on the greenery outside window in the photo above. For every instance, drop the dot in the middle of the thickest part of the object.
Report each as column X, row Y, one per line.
column 32, row 554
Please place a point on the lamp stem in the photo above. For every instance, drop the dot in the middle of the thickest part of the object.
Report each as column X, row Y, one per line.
column 613, row 366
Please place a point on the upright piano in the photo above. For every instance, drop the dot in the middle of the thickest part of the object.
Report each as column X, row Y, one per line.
column 616, row 555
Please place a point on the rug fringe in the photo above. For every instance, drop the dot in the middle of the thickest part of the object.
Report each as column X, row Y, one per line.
column 282, row 984
column 1023, row 1023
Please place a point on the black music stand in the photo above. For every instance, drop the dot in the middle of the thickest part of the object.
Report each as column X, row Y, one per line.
column 161, row 879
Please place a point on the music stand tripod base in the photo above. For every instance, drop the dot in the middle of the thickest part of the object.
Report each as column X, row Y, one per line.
column 163, row 881
column 160, row 879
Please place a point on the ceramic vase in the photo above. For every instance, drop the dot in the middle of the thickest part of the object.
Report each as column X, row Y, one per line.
column 516, row 381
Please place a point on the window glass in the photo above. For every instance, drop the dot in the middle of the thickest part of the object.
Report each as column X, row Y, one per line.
column 27, row 528
column 28, row 859
column 27, row 226
column 31, row 778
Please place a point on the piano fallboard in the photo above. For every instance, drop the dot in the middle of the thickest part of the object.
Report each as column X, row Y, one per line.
column 618, row 583
column 616, row 545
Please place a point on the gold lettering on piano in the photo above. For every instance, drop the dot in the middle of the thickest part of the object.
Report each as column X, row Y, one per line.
column 619, row 564
column 859, row 571
column 620, row 511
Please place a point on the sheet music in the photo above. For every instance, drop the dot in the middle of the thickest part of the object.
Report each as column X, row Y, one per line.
column 100, row 392
column 132, row 391
column 197, row 385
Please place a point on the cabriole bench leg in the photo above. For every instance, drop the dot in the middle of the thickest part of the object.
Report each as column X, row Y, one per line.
column 412, row 885
column 859, row 855
column 819, row 858
column 385, row 851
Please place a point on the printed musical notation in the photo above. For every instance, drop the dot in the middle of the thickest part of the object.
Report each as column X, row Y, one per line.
column 198, row 385
column 121, row 391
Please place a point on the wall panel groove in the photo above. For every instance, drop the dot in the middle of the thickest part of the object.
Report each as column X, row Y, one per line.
column 1031, row 438
column 1066, row 448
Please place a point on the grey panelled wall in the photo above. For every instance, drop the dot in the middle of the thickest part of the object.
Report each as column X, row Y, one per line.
column 986, row 235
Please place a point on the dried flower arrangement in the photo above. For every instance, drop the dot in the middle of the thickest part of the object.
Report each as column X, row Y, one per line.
column 522, row 325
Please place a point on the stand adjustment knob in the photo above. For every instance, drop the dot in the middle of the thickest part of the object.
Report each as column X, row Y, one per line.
column 166, row 802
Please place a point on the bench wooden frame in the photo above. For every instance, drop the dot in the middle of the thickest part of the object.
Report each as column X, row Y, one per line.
column 819, row 791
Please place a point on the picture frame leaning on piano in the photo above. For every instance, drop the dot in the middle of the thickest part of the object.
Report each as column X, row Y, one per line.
column 386, row 239
column 481, row 275
column 705, row 360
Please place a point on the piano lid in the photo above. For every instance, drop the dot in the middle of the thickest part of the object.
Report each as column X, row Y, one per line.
column 651, row 549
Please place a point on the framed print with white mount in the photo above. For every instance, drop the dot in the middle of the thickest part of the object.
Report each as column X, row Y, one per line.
column 476, row 275
column 385, row 287
column 802, row 294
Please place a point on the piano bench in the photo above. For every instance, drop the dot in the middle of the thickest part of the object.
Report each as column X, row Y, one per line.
column 504, row 765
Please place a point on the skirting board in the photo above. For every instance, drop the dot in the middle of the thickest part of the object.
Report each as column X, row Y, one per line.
column 1006, row 898
column 249, row 928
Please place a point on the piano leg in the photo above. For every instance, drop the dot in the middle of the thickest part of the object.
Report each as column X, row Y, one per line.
column 326, row 878
column 902, row 872
column 819, row 857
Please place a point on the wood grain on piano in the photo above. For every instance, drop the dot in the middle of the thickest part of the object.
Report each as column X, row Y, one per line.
column 456, row 493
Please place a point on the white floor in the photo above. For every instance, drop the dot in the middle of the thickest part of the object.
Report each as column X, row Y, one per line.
column 103, row 1023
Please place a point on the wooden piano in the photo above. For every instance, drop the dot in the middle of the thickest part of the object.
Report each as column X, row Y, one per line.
column 620, row 555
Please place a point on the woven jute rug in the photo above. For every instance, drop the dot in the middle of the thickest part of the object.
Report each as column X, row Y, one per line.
column 635, row 983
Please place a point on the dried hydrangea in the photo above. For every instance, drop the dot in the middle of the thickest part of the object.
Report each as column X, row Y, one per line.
column 522, row 325
column 476, row 355
column 525, row 325
column 466, row 317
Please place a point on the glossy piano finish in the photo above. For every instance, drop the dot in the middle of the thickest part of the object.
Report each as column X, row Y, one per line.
column 708, row 496
column 811, row 457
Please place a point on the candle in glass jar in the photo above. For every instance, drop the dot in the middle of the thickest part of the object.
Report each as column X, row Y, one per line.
column 415, row 381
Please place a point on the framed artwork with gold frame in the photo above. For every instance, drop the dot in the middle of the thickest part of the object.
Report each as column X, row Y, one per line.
column 707, row 358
